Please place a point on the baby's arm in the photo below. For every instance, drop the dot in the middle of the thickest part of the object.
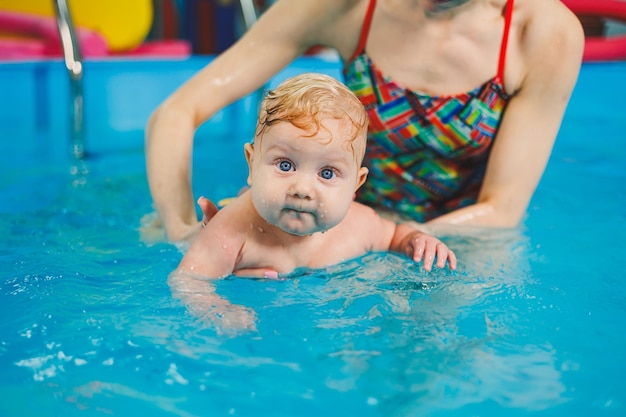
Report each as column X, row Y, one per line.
column 199, row 296
column 404, row 238
column 419, row 246
column 215, row 251
column 211, row 256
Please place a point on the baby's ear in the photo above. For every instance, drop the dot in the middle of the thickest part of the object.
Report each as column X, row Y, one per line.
column 361, row 177
column 248, row 151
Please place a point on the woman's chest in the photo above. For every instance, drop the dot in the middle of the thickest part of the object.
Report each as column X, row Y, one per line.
column 436, row 56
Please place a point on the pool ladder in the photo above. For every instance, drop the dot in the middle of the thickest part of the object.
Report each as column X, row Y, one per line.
column 74, row 66
column 73, row 63
column 248, row 12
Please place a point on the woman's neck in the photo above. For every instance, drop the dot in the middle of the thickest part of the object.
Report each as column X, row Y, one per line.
column 443, row 8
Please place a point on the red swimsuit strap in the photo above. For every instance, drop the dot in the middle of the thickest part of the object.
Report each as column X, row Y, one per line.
column 367, row 21
column 505, row 39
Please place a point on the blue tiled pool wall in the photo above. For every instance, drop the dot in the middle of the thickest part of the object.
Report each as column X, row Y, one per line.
column 119, row 96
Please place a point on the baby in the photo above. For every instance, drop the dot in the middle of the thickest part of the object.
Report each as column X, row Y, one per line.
column 299, row 209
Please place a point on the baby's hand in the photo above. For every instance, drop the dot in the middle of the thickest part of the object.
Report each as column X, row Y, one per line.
column 199, row 296
column 230, row 319
column 257, row 273
column 421, row 246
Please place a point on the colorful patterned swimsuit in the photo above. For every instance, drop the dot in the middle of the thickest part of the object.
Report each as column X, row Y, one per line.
column 426, row 155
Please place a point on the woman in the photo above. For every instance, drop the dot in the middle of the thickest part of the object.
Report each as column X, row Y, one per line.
column 465, row 99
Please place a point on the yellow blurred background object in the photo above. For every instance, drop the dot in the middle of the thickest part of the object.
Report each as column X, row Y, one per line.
column 124, row 24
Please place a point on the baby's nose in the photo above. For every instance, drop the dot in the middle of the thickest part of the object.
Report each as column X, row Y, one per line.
column 302, row 188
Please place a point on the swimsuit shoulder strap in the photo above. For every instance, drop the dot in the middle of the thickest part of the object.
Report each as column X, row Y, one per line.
column 508, row 15
column 365, row 29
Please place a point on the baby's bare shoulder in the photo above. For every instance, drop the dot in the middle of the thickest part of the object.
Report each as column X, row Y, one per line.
column 370, row 224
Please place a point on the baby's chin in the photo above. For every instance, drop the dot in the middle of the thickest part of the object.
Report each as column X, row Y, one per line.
column 302, row 231
column 299, row 224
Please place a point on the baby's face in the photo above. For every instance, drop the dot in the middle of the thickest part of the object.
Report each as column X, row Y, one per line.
column 304, row 184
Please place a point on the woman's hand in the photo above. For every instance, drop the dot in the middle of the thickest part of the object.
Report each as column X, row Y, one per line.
column 209, row 209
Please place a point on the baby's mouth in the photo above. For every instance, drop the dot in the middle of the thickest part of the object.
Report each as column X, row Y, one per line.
column 298, row 212
column 299, row 221
column 295, row 211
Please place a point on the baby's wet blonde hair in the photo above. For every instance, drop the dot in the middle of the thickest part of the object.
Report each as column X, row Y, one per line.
column 305, row 99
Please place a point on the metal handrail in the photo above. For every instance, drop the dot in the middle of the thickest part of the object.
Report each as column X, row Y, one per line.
column 249, row 12
column 74, row 65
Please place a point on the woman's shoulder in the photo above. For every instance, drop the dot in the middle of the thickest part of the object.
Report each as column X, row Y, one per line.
column 333, row 23
column 545, row 23
column 329, row 8
column 551, row 38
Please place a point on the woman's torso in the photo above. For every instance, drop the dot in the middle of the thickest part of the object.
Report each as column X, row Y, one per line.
column 427, row 153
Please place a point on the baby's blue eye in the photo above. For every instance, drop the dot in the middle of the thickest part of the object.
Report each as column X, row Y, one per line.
column 285, row 166
column 327, row 174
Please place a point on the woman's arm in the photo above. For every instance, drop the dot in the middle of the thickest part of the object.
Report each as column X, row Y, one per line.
column 282, row 33
column 551, row 50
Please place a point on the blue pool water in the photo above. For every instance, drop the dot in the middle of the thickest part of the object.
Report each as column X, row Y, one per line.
column 531, row 323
